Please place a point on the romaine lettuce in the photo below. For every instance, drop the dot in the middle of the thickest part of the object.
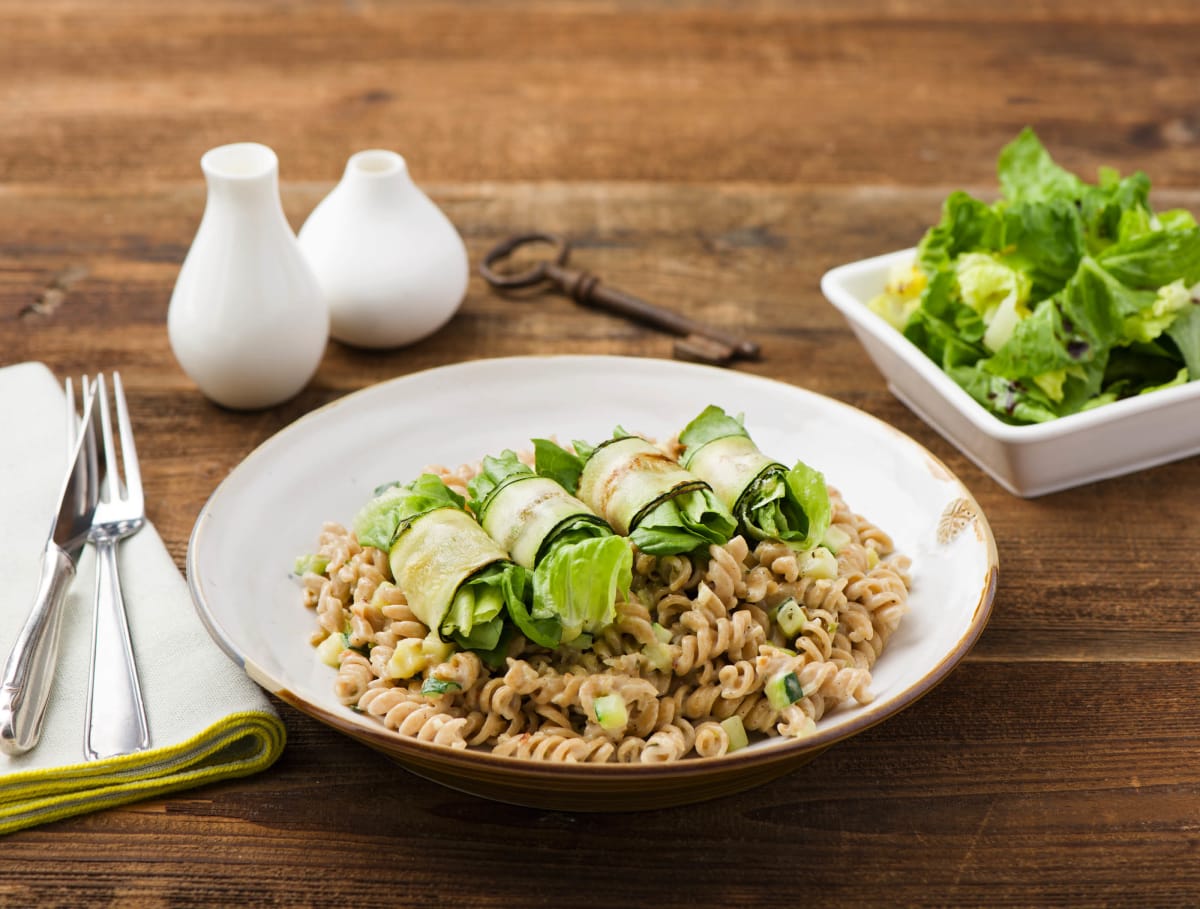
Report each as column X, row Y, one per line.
column 1185, row 332
column 1058, row 297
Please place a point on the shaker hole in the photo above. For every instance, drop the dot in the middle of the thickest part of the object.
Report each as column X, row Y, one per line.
column 378, row 162
column 241, row 159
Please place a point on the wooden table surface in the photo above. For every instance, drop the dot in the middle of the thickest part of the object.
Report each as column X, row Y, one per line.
column 718, row 157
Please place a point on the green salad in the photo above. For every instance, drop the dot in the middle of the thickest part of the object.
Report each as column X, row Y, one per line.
column 1061, row 296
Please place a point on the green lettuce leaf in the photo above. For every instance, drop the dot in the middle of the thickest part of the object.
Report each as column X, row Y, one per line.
column 1154, row 259
column 553, row 461
column 1027, row 173
column 901, row 295
column 1148, row 323
column 966, row 224
column 689, row 522
column 710, row 424
column 381, row 520
column 788, row 505
column 1095, row 305
column 1175, row 219
column 994, row 290
column 581, row 527
column 1060, row 296
column 579, row 580
column 537, row 624
column 946, row 330
column 1181, row 378
column 1114, row 209
column 1185, row 332
column 1039, row 344
column 808, row 491
column 1012, row 401
column 1140, row 367
column 475, row 619
column 1044, row 241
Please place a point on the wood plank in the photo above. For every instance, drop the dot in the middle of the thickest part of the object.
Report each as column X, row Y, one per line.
column 961, row 800
column 717, row 157
column 92, row 96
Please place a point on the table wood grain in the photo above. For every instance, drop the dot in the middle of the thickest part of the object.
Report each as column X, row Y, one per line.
column 717, row 157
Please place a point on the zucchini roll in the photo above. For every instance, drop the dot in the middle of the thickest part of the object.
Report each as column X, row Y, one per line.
column 769, row 501
column 641, row 493
column 456, row 578
column 579, row 565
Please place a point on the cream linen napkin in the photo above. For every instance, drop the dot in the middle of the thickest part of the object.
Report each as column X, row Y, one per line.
column 207, row 720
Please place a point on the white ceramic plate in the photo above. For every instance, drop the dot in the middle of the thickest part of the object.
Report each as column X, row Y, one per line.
column 323, row 467
column 1118, row 438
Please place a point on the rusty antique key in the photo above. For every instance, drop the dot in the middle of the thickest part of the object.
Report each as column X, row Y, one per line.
column 697, row 341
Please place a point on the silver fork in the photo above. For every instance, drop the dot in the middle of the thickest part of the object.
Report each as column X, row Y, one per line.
column 116, row 717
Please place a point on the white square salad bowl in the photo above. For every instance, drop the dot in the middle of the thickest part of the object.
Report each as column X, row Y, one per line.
column 1108, row 441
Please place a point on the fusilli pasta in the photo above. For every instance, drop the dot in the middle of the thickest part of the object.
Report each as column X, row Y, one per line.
column 694, row 647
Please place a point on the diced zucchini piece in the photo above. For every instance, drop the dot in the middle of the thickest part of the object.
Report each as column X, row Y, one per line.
column 820, row 564
column 329, row 651
column 661, row 633
column 435, row 649
column 790, row 617
column 489, row 601
column 872, row 557
column 835, row 538
column 311, row 562
column 408, row 659
column 611, row 712
column 659, row 655
column 808, row 727
column 736, row 730
column 783, row 689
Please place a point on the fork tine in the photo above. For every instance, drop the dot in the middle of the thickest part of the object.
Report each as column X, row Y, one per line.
column 133, row 473
column 96, row 460
column 110, row 490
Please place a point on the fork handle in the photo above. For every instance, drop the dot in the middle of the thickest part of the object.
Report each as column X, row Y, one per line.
column 29, row 671
column 116, row 717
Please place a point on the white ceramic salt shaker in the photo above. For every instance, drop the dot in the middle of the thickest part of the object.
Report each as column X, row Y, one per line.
column 247, row 320
column 392, row 267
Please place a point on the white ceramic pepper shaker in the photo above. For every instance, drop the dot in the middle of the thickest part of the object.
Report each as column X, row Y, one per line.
column 392, row 266
column 247, row 320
